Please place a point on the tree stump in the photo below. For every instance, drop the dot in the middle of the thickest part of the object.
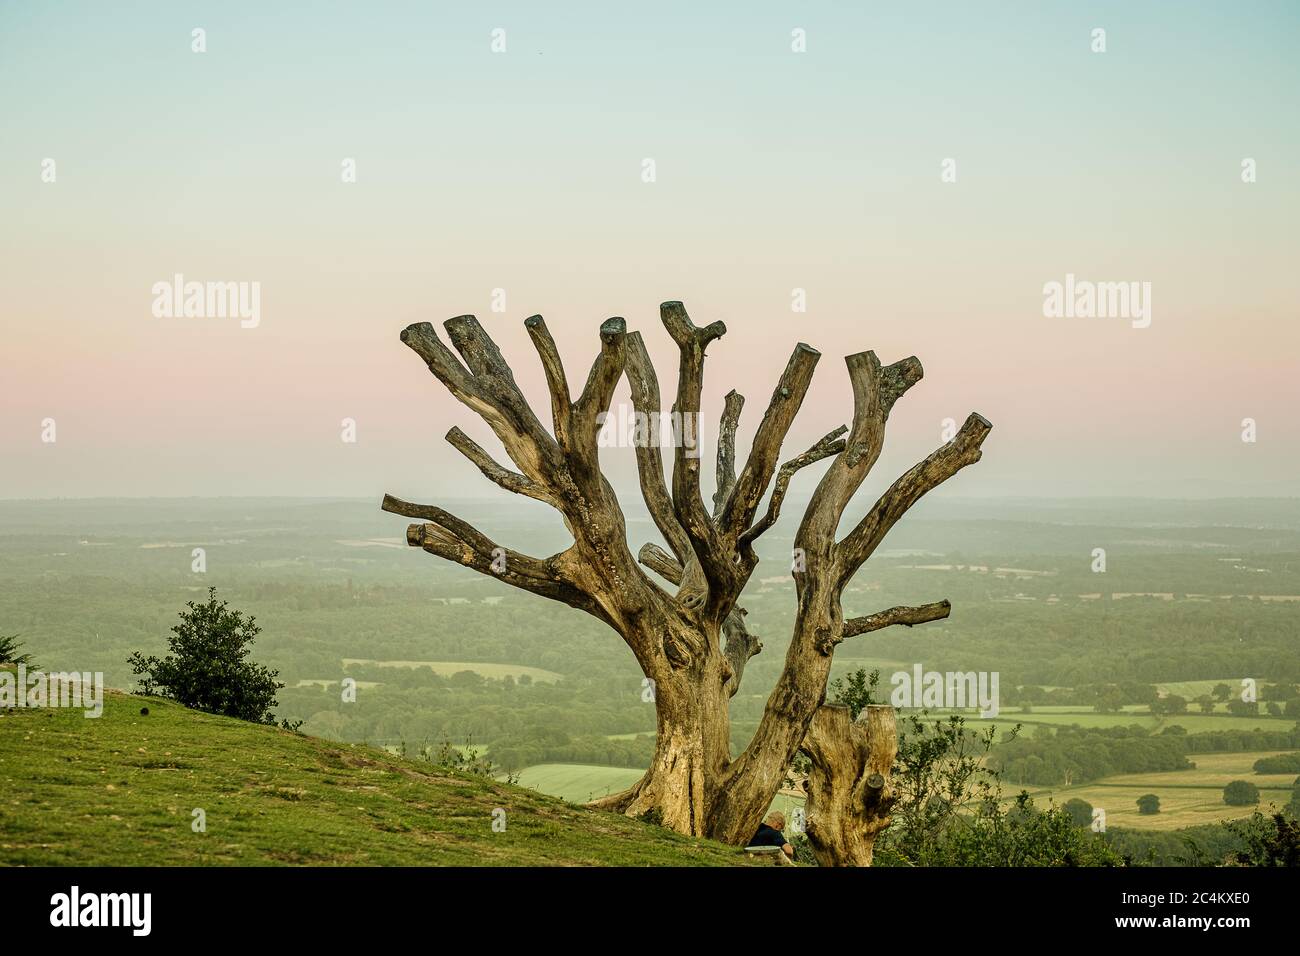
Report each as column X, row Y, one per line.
column 848, row 786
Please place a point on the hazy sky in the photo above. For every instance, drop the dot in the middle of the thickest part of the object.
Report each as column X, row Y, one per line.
column 522, row 170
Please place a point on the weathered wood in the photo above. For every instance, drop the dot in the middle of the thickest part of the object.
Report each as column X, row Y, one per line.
column 711, row 578
column 447, row 536
column 829, row 445
column 740, row 645
column 646, row 402
column 725, row 476
column 787, row 397
column 660, row 562
column 902, row 614
column 938, row 467
column 511, row 481
column 604, row 375
column 556, row 381
column 848, row 790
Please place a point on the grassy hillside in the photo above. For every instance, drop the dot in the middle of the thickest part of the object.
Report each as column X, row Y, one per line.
column 121, row 790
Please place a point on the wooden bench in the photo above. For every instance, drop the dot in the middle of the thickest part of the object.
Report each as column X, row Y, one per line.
column 780, row 859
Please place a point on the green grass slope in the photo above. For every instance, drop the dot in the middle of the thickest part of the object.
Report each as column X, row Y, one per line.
column 120, row 790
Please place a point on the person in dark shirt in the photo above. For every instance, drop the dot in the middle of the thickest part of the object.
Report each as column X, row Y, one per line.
column 769, row 833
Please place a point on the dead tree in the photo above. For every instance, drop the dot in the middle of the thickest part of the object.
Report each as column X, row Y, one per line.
column 689, row 638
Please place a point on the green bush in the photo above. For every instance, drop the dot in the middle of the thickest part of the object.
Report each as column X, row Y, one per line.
column 1268, row 841
column 949, row 809
column 208, row 668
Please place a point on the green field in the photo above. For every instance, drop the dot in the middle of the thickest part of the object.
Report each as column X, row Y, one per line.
column 578, row 783
column 1008, row 717
column 1192, row 723
column 1187, row 797
column 1143, row 710
column 447, row 668
column 1191, row 689
column 120, row 790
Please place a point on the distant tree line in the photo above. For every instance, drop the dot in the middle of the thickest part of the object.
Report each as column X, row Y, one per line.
column 1072, row 755
column 1276, row 700
column 1282, row 763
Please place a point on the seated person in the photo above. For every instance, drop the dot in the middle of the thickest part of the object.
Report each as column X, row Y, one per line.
column 769, row 833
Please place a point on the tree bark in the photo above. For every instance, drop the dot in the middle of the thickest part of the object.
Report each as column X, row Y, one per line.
column 692, row 739
column 848, row 787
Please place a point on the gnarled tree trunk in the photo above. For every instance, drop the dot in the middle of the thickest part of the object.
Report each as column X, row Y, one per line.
column 689, row 637
column 848, row 785
column 691, row 747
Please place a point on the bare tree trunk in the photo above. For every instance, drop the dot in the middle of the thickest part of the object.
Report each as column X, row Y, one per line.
column 848, row 786
column 691, row 640
column 754, row 777
column 692, row 739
